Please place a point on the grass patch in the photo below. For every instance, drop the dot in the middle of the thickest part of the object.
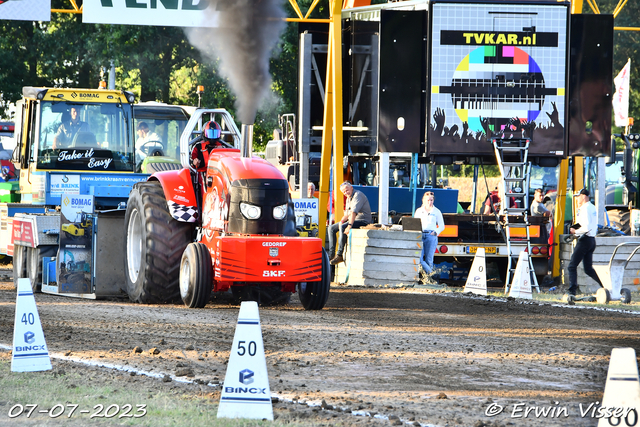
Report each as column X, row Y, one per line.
column 546, row 297
column 164, row 407
column 554, row 297
column 634, row 305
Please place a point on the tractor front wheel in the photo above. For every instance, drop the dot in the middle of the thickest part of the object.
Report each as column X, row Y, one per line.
column 154, row 244
column 196, row 276
column 314, row 295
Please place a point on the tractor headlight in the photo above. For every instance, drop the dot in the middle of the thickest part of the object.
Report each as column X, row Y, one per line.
column 279, row 212
column 250, row 211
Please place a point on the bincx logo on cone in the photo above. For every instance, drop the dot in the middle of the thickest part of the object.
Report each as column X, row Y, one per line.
column 245, row 393
column 246, row 376
column 29, row 347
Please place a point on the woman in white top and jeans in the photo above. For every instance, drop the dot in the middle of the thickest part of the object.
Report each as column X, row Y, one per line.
column 432, row 226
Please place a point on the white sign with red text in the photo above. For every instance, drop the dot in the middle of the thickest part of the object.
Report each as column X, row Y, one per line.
column 23, row 232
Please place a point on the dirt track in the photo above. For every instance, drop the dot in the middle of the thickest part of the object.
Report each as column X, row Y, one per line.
column 386, row 352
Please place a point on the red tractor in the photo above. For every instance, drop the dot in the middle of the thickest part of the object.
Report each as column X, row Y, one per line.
column 228, row 225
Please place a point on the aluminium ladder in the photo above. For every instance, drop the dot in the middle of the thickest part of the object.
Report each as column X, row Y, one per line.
column 515, row 169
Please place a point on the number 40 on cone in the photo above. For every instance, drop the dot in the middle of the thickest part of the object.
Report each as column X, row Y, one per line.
column 30, row 351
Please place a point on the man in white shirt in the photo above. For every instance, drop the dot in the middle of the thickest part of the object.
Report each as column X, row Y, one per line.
column 432, row 225
column 537, row 207
column 147, row 144
column 145, row 135
column 311, row 190
column 586, row 228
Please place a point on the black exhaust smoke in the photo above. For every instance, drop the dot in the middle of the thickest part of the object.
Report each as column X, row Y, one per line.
column 248, row 32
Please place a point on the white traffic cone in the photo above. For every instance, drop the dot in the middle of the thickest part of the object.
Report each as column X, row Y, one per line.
column 246, row 392
column 477, row 278
column 521, row 283
column 30, row 351
column 621, row 401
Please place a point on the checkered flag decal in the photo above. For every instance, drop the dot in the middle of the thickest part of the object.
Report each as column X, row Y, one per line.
column 183, row 213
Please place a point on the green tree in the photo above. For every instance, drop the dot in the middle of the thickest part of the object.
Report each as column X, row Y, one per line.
column 18, row 62
column 156, row 52
column 66, row 52
column 626, row 44
column 64, row 55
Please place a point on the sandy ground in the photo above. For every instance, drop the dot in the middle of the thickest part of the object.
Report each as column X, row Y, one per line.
column 388, row 357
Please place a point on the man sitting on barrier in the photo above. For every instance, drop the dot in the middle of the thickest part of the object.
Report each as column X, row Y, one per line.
column 357, row 214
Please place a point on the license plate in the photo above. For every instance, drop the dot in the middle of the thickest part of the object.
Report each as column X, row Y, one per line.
column 487, row 249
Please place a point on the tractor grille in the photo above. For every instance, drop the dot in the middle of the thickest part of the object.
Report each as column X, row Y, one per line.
column 265, row 193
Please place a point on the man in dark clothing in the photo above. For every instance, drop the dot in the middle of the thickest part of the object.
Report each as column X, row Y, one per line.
column 71, row 125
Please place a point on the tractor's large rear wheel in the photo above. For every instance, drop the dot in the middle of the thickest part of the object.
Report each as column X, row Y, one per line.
column 196, row 274
column 621, row 219
column 154, row 244
column 314, row 295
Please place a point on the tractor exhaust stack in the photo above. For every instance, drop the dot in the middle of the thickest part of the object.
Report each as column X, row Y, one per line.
column 247, row 140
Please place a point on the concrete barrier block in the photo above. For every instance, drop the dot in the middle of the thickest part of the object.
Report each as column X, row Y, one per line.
column 370, row 250
column 376, row 262
column 386, row 234
column 389, row 244
column 390, row 267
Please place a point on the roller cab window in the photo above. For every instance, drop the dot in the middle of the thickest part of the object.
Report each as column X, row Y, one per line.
column 84, row 136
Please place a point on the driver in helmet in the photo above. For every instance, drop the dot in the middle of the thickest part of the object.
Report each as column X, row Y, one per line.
column 210, row 139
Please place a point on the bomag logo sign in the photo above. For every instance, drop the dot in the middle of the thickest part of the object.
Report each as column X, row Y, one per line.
column 529, row 37
column 82, row 95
